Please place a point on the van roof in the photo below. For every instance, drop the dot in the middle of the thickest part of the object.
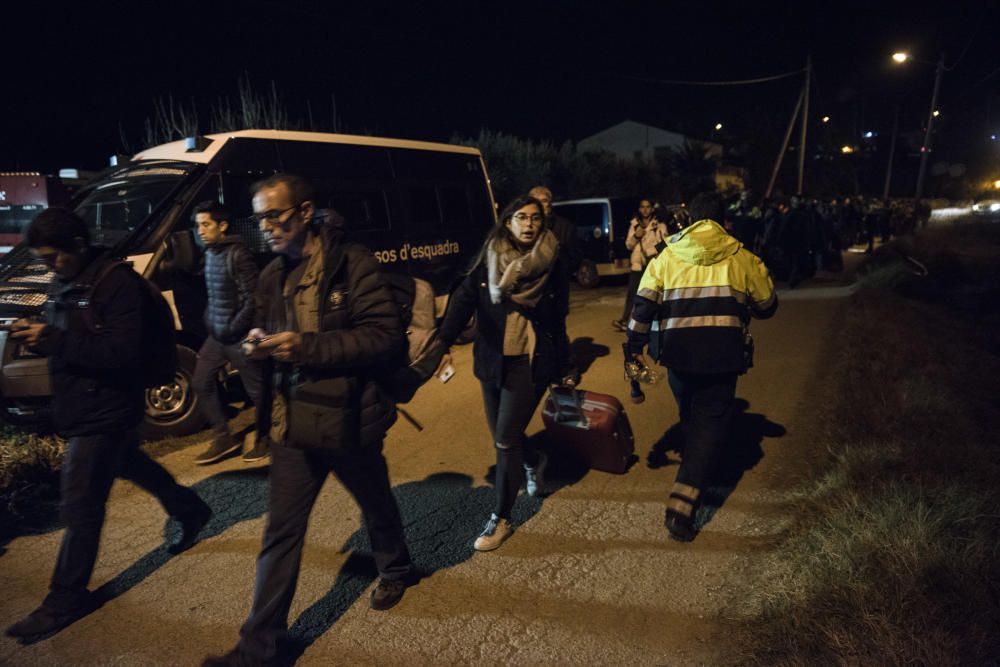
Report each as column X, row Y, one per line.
column 177, row 150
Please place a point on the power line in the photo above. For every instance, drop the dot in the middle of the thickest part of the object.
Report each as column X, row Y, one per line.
column 740, row 82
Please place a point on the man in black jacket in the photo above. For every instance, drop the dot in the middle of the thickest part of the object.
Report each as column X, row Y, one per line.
column 93, row 339
column 564, row 230
column 230, row 280
column 331, row 321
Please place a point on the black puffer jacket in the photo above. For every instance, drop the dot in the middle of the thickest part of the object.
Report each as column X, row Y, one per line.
column 333, row 386
column 230, row 280
column 94, row 357
column 551, row 359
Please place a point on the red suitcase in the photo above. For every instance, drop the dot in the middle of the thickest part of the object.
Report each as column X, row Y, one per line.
column 591, row 426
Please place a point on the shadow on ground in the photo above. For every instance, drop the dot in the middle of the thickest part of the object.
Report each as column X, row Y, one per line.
column 585, row 351
column 443, row 514
column 741, row 452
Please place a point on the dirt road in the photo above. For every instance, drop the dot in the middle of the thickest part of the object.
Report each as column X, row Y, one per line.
column 589, row 578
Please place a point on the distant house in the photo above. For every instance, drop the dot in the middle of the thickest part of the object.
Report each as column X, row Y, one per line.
column 630, row 140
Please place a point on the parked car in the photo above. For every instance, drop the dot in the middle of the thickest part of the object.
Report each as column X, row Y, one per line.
column 602, row 227
column 422, row 208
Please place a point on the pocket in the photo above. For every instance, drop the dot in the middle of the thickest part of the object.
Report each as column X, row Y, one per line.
column 323, row 414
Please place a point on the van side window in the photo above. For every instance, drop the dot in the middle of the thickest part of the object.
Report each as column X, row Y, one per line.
column 363, row 211
column 423, row 205
column 455, row 209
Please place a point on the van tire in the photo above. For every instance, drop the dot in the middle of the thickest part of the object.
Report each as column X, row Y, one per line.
column 172, row 410
column 586, row 275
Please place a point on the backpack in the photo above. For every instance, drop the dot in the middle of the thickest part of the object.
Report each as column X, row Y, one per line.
column 414, row 298
column 158, row 345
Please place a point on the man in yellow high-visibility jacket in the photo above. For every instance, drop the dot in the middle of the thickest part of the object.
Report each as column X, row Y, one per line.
column 702, row 289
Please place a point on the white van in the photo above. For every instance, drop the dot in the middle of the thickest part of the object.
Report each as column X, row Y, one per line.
column 423, row 208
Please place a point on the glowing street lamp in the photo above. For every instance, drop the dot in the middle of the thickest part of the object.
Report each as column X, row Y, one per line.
column 996, row 184
column 826, row 119
column 925, row 149
column 718, row 126
column 847, row 150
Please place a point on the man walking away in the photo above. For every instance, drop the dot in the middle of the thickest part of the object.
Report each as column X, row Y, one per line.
column 230, row 281
column 93, row 339
column 331, row 322
column 703, row 288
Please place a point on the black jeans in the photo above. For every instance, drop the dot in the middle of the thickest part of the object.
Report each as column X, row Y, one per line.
column 296, row 479
column 509, row 408
column 212, row 358
column 706, row 407
column 89, row 468
column 633, row 286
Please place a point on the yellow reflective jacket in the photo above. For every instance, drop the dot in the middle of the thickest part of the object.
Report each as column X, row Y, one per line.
column 702, row 289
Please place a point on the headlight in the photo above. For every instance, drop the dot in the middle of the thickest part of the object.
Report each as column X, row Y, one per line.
column 995, row 207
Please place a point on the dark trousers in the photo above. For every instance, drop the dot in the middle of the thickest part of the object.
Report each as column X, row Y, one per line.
column 89, row 468
column 509, row 408
column 706, row 407
column 296, row 479
column 633, row 286
column 212, row 358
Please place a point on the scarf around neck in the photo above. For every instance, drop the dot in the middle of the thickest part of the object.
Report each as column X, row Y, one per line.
column 518, row 275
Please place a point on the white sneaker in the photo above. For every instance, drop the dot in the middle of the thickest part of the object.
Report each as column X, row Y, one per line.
column 534, row 477
column 496, row 532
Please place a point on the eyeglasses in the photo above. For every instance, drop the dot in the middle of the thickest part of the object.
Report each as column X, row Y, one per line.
column 270, row 219
column 524, row 217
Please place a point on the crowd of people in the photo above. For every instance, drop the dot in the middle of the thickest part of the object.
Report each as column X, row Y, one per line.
column 313, row 331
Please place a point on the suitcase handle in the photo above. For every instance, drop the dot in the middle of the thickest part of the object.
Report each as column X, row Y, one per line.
column 562, row 416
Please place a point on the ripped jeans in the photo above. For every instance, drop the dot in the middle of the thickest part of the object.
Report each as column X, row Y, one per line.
column 509, row 408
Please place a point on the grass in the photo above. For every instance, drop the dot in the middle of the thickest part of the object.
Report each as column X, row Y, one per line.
column 893, row 559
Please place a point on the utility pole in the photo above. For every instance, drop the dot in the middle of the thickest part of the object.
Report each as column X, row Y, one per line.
column 892, row 152
column 926, row 148
column 805, row 123
column 784, row 145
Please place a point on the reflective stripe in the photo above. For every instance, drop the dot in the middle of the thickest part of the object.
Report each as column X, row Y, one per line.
column 638, row 327
column 701, row 321
column 650, row 294
column 704, row 293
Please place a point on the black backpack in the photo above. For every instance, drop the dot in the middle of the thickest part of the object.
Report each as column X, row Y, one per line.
column 158, row 360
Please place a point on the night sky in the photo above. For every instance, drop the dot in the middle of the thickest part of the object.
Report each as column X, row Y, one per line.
column 77, row 77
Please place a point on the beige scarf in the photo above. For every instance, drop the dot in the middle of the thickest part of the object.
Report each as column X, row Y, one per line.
column 518, row 275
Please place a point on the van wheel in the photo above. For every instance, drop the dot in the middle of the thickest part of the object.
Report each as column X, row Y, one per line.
column 172, row 410
column 587, row 275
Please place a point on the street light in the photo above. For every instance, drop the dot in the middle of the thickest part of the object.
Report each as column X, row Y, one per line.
column 932, row 114
column 718, row 126
column 826, row 119
column 847, row 150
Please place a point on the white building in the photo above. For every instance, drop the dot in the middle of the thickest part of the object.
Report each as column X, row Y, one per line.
column 631, row 140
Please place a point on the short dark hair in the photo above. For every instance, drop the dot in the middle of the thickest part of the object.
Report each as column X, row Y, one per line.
column 298, row 188
column 707, row 206
column 215, row 210
column 57, row 227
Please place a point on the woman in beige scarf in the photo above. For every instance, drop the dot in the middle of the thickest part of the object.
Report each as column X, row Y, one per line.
column 518, row 288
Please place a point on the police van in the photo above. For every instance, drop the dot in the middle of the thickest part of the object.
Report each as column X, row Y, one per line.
column 422, row 208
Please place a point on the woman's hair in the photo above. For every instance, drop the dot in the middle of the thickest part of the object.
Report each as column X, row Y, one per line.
column 59, row 228
column 500, row 230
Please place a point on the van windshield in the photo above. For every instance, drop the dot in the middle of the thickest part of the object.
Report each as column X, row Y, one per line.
column 124, row 200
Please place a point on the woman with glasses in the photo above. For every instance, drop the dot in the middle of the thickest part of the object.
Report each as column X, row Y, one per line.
column 518, row 288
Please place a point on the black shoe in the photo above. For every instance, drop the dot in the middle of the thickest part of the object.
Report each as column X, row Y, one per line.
column 45, row 622
column 190, row 527
column 222, row 446
column 387, row 594
column 620, row 325
column 680, row 527
column 235, row 658
column 261, row 449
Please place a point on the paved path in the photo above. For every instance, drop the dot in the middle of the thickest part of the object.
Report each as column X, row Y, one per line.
column 589, row 578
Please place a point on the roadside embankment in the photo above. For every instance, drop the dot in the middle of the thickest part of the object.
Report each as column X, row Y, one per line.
column 892, row 558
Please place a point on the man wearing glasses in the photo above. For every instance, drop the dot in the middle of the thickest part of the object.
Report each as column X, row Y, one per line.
column 324, row 319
